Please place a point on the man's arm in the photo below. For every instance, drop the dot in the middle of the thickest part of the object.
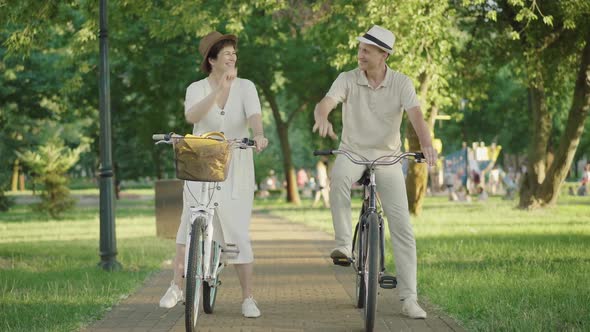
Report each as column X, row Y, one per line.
column 421, row 128
column 320, row 114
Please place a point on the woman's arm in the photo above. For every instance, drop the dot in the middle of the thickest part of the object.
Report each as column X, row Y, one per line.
column 255, row 123
column 196, row 112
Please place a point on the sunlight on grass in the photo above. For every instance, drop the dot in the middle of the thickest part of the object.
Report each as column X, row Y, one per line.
column 491, row 266
column 49, row 279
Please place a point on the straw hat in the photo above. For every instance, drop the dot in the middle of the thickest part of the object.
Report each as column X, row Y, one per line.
column 380, row 37
column 208, row 41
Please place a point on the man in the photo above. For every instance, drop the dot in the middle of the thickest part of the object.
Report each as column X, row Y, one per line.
column 374, row 97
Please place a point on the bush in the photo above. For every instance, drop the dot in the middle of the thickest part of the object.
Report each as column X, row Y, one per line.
column 51, row 163
column 5, row 202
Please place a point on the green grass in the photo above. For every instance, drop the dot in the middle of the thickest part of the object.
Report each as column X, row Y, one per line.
column 493, row 267
column 49, row 279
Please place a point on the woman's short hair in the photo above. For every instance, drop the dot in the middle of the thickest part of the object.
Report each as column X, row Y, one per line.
column 214, row 51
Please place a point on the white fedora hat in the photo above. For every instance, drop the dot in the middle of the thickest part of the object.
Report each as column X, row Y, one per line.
column 380, row 37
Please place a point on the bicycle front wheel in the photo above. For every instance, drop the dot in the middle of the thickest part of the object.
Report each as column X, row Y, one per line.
column 210, row 287
column 359, row 257
column 194, row 276
column 372, row 276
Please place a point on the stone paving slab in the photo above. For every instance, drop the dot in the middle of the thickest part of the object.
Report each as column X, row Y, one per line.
column 296, row 286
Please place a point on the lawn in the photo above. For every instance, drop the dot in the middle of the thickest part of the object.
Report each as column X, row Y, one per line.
column 491, row 266
column 49, row 279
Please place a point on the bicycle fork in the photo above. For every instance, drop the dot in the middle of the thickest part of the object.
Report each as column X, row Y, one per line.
column 204, row 221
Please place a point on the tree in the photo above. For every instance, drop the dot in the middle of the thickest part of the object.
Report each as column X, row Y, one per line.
column 51, row 162
column 550, row 48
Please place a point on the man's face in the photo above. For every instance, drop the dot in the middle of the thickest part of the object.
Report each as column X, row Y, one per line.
column 370, row 57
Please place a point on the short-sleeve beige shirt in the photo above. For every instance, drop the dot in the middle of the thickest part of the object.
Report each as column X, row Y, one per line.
column 372, row 117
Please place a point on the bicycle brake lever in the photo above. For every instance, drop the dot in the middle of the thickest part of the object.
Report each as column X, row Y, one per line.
column 419, row 157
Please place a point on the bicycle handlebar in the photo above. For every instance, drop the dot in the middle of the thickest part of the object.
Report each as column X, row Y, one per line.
column 167, row 138
column 322, row 152
column 161, row 137
column 418, row 156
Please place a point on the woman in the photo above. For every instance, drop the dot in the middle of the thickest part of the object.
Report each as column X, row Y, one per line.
column 228, row 104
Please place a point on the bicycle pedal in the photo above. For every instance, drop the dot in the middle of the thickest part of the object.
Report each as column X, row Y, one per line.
column 342, row 261
column 230, row 248
column 388, row 282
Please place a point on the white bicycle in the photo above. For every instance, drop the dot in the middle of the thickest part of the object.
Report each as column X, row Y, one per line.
column 203, row 261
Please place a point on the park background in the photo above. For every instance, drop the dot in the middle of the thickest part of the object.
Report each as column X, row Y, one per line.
column 514, row 73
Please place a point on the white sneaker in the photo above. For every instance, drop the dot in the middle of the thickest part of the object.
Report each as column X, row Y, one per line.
column 173, row 295
column 412, row 309
column 341, row 256
column 340, row 252
column 249, row 308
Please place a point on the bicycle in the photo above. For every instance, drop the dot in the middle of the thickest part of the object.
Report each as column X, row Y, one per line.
column 368, row 241
column 203, row 263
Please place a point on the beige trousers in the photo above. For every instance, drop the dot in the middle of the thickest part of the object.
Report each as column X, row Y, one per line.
column 392, row 192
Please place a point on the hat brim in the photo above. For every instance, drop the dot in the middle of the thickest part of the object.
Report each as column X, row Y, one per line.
column 366, row 41
column 222, row 37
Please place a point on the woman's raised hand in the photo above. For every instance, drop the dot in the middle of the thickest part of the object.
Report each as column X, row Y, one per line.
column 228, row 77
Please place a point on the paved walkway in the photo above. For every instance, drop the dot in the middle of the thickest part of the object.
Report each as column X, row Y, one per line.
column 296, row 286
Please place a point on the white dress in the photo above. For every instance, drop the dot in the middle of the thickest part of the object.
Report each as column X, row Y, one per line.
column 234, row 197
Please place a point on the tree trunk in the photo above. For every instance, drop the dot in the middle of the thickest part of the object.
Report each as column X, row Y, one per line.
column 549, row 190
column 417, row 177
column 542, row 188
column 541, row 131
column 283, row 134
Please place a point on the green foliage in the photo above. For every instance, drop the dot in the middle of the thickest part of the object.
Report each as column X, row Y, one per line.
column 292, row 50
column 5, row 202
column 50, row 164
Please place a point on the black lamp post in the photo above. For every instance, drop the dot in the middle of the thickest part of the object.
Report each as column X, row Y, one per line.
column 108, row 241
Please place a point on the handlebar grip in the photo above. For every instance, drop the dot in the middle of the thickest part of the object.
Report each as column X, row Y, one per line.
column 322, row 152
column 248, row 142
column 161, row 137
column 419, row 157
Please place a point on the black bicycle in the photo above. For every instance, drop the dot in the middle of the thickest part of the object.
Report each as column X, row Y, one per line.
column 368, row 242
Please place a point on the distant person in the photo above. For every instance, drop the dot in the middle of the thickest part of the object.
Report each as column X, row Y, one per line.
column 302, row 178
column 509, row 185
column 449, row 180
column 482, row 195
column 583, row 188
column 323, row 185
column 461, row 195
column 494, row 180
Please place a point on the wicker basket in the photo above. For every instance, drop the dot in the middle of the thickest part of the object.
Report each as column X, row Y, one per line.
column 202, row 158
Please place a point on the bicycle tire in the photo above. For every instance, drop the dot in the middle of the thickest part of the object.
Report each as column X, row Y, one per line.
column 210, row 287
column 193, row 276
column 359, row 264
column 372, row 280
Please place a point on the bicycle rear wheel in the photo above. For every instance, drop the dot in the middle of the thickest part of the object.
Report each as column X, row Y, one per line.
column 372, row 276
column 210, row 287
column 193, row 277
column 359, row 256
